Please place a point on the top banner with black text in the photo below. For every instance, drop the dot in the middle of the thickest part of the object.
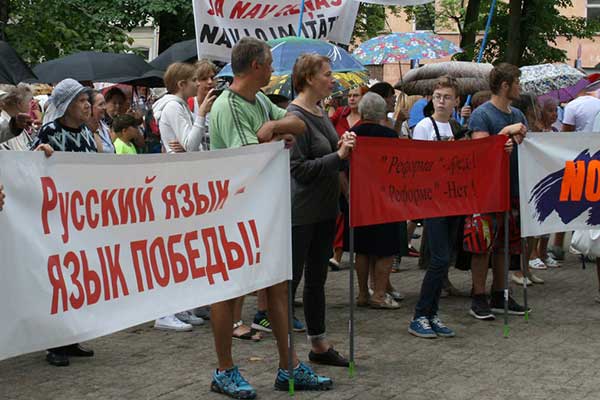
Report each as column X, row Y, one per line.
column 220, row 24
column 399, row 180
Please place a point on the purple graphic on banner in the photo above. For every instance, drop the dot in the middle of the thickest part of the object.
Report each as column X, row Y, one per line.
column 584, row 173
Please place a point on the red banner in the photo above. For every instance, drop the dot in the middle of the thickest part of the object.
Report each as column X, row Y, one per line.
column 398, row 179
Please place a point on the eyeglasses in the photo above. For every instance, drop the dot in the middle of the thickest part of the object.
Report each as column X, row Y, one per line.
column 439, row 97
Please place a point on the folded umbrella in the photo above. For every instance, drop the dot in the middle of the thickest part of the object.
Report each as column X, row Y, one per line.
column 92, row 66
column 13, row 69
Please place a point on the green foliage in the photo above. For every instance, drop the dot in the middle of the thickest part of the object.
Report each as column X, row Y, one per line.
column 371, row 21
column 41, row 30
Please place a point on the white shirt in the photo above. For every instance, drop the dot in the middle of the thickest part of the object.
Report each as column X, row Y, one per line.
column 581, row 112
column 424, row 130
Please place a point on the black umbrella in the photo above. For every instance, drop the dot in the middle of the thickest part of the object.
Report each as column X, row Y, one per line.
column 151, row 79
column 178, row 52
column 12, row 68
column 92, row 66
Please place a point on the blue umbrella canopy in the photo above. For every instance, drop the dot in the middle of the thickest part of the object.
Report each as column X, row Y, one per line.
column 286, row 50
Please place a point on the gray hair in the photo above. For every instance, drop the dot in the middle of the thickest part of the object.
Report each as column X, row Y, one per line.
column 246, row 51
column 12, row 95
column 372, row 107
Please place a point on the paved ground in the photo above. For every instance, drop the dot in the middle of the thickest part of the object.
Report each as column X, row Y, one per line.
column 556, row 355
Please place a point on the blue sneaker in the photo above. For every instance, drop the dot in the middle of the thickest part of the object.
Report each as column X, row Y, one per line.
column 304, row 379
column 232, row 384
column 298, row 326
column 420, row 327
column 439, row 328
column 261, row 322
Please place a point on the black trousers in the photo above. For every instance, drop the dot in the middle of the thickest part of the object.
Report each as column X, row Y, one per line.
column 312, row 246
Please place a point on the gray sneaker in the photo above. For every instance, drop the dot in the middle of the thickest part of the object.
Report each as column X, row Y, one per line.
column 189, row 318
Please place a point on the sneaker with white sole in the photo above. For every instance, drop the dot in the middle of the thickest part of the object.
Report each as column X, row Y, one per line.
column 552, row 263
column 536, row 263
column 440, row 328
column 519, row 280
column 189, row 318
column 172, row 323
column 535, row 278
column 421, row 327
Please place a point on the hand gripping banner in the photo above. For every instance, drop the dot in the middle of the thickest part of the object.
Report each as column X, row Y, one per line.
column 92, row 244
column 398, row 179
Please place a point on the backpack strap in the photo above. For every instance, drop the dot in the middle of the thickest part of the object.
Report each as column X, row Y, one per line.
column 437, row 130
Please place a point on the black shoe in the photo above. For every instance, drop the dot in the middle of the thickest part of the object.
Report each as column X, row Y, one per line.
column 77, row 350
column 330, row 357
column 497, row 304
column 480, row 308
column 58, row 359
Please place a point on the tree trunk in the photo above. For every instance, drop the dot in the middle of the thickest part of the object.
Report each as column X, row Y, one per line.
column 3, row 18
column 514, row 50
column 528, row 14
column 469, row 30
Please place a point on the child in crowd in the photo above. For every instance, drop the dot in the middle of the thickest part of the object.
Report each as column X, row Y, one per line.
column 126, row 129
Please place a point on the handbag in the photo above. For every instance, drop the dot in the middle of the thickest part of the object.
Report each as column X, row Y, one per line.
column 479, row 233
column 586, row 243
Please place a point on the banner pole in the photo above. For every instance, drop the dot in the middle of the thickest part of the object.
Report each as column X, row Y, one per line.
column 506, row 268
column 524, row 262
column 351, row 278
column 299, row 33
column 290, row 339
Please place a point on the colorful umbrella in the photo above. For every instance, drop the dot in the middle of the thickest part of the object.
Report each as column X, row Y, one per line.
column 282, row 84
column 286, row 50
column 545, row 78
column 396, row 47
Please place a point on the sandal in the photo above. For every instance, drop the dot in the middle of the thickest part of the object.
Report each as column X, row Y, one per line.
column 253, row 334
column 387, row 304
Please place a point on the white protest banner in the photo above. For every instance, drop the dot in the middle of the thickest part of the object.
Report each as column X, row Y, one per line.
column 402, row 3
column 559, row 183
column 220, row 24
column 92, row 244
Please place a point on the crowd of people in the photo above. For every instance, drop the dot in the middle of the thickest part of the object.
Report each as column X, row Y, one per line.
column 321, row 134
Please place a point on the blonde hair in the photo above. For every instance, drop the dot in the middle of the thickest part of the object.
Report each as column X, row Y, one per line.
column 306, row 67
column 176, row 73
column 204, row 68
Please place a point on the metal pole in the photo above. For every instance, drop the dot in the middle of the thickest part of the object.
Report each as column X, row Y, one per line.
column 524, row 263
column 299, row 32
column 290, row 339
column 506, row 268
column 352, row 304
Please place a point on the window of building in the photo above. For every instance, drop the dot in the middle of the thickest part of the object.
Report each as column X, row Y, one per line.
column 593, row 10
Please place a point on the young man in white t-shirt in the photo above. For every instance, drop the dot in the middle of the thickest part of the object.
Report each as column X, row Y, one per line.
column 441, row 232
column 580, row 113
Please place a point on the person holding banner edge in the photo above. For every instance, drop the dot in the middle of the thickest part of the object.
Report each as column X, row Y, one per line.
column 67, row 132
column 442, row 231
column 498, row 117
column 243, row 116
column 316, row 162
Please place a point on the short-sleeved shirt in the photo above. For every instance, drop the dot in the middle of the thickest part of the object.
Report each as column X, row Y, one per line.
column 581, row 113
column 425, row 130
column 234, row 121
column 488, row 118
column 124, row 148
column 62, row 138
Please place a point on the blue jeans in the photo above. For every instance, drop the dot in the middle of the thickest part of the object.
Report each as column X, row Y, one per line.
column 441, row 238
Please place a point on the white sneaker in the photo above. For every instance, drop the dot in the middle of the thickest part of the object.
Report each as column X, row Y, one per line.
column 551, row 262
column 535, row 279
column 536, row 263
column 519, row 280
column 189, row 318
column 172, row 323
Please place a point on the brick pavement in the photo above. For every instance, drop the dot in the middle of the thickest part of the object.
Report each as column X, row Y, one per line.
column 553, row 356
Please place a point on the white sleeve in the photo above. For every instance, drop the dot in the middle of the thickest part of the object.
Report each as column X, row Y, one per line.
column 569, row 115
column 5, row 132
column 177, row 121
column 422, row 131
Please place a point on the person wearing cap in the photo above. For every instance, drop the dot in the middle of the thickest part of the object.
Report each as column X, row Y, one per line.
column 67, row 132
column 13, row 127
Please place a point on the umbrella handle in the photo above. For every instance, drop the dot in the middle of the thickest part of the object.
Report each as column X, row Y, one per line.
column 467, row 103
